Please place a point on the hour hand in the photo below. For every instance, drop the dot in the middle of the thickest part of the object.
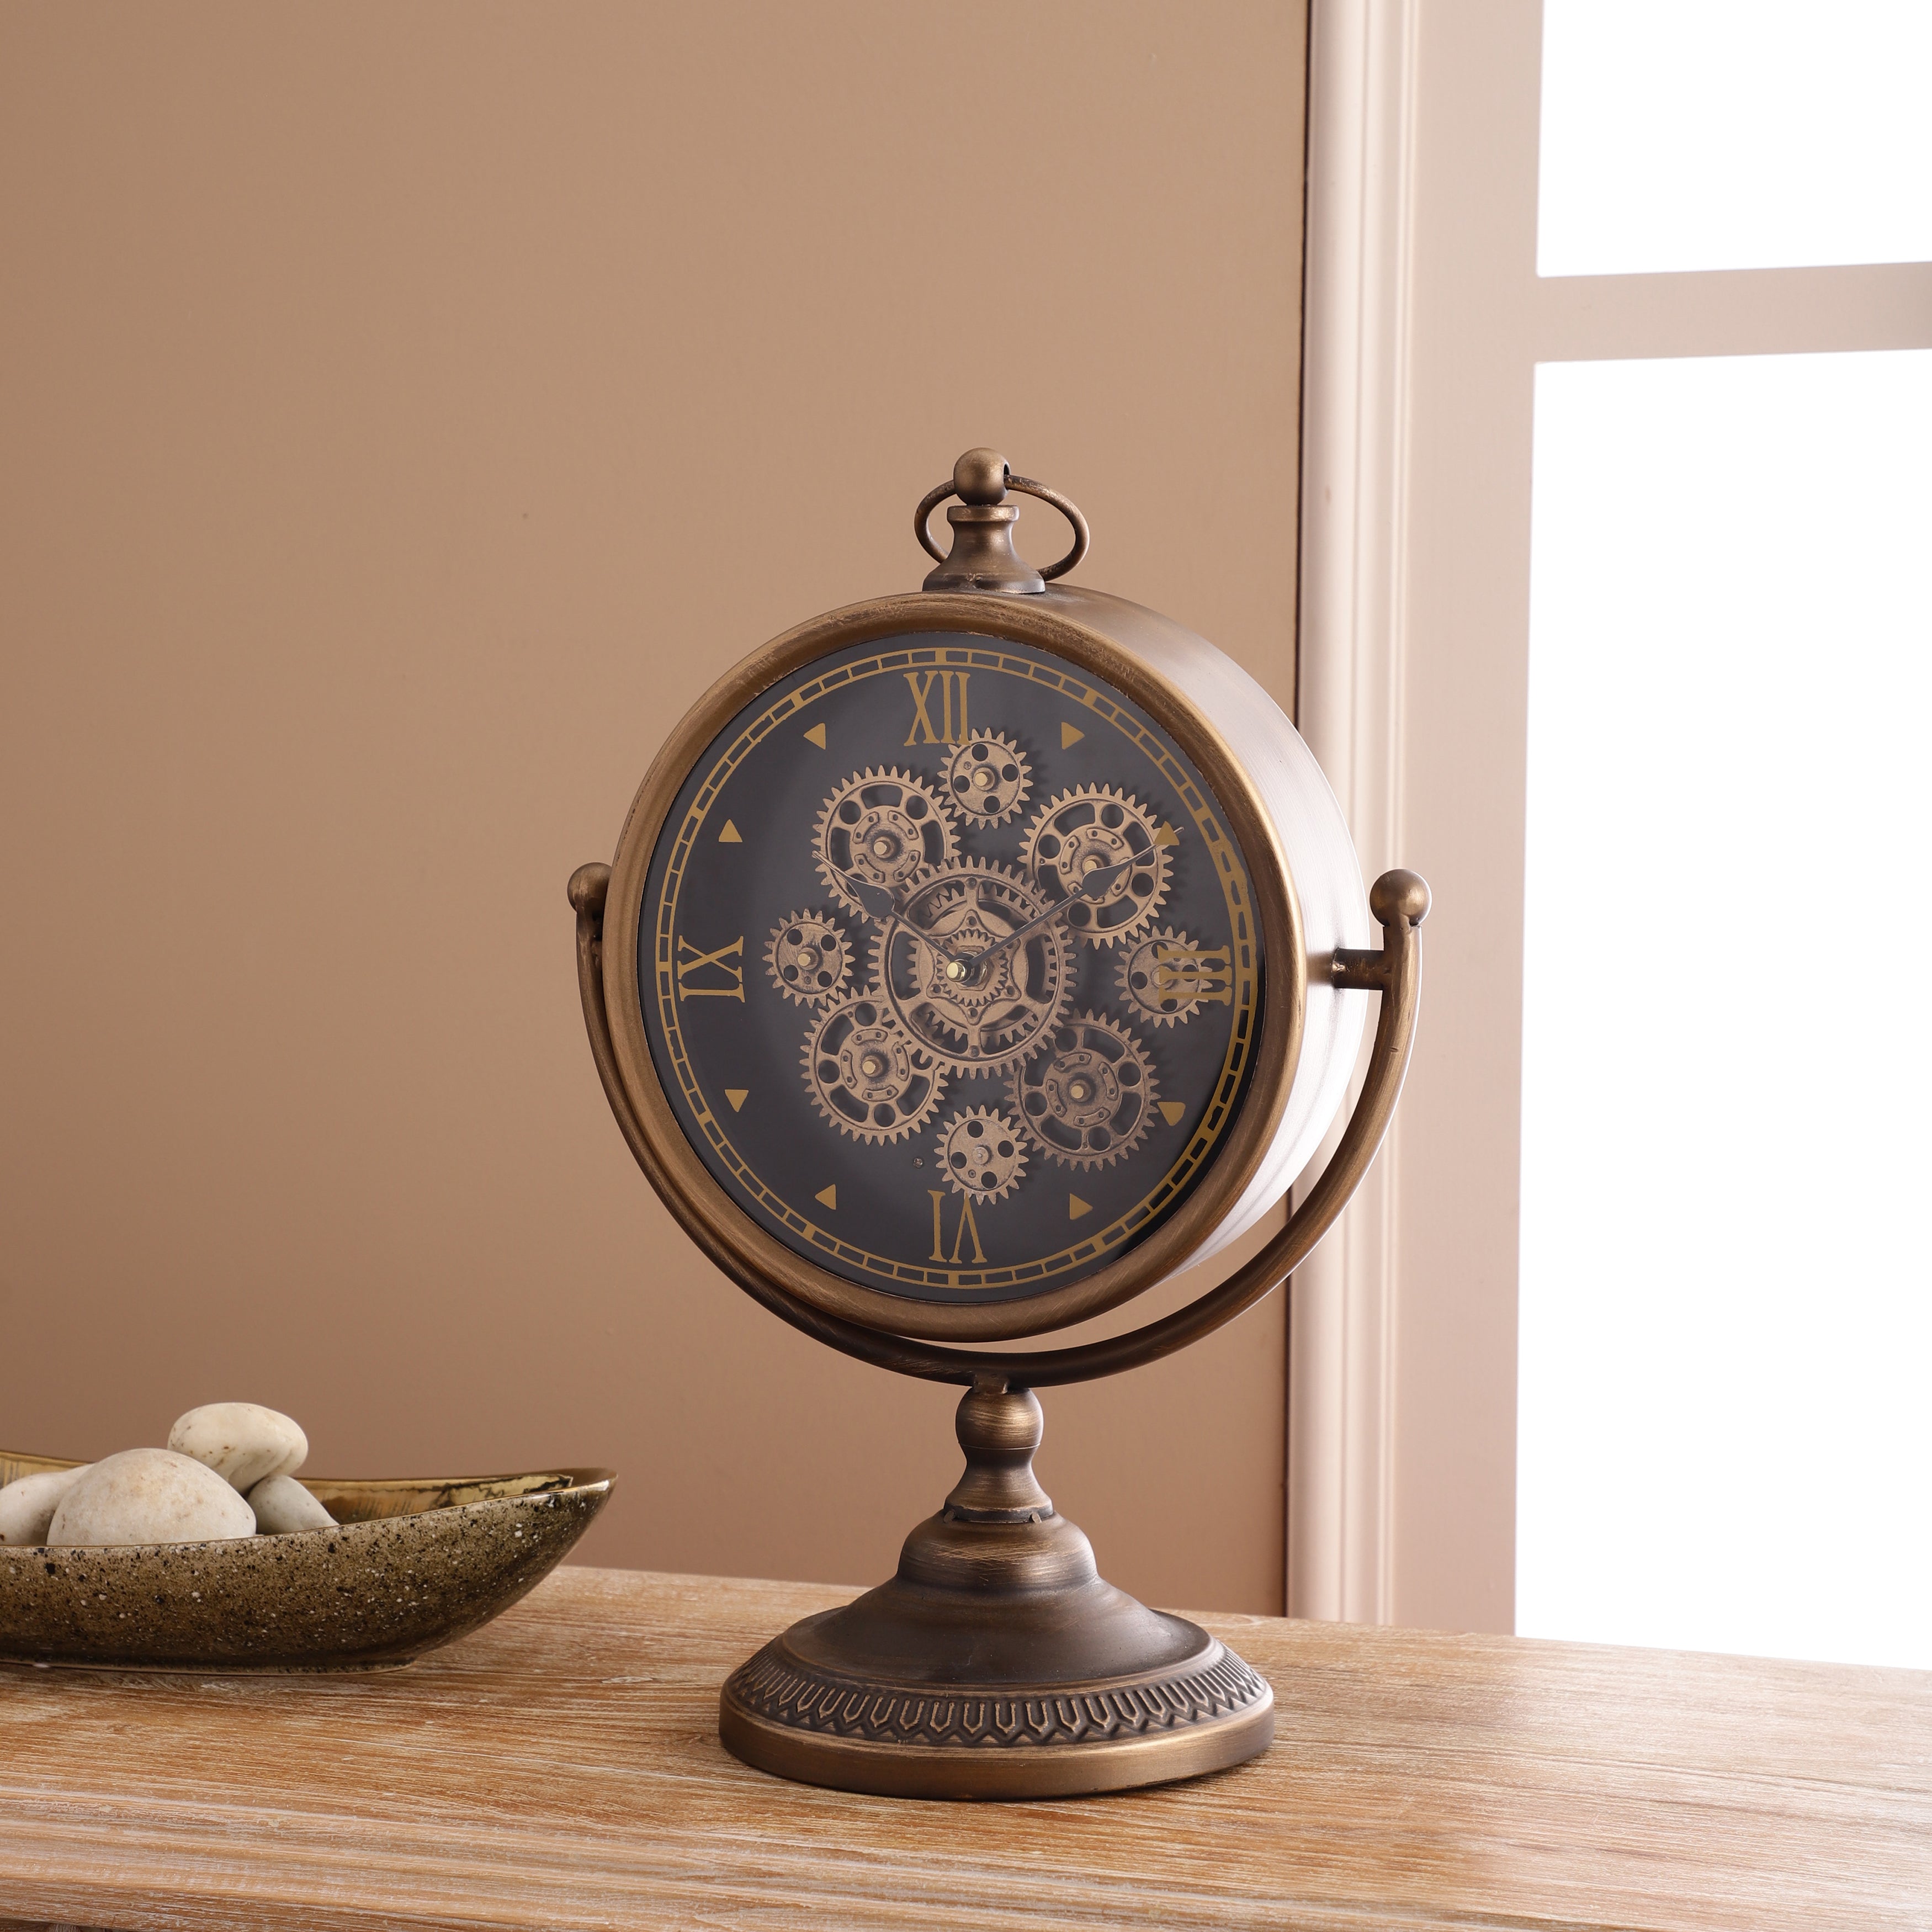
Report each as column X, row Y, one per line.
column 879, row 901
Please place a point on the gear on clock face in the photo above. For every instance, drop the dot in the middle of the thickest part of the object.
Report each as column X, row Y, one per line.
column 1092, row 829
column 983, row 1153
column 987, row 779
column 975, row 1018
column 883, row 826
column 869, row 1079
column 809, row 957
column 1164, row 978
column 1089, row 1098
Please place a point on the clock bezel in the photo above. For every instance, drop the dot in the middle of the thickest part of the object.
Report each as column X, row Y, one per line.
column 693, row 1192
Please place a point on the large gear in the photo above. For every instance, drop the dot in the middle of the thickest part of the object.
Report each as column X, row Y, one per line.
column 983, row 1153
column 1089, row 829
column 989, row 1019
column 1164, row 978
column 987, row 779
column 869, row 1080
column 809, row 957
column 1090, row 1098
column 884, row 827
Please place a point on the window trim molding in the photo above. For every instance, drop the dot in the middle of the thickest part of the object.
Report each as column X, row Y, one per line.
column 1356, row 320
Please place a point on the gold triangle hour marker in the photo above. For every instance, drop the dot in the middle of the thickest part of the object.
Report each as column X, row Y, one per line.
column 817, row 734
column 736, row 1096
column 1167, row 835
column 1075, row 1207
column 729, row 835
column 827, row 1197
column 1171, row 1111
column 1070, row 734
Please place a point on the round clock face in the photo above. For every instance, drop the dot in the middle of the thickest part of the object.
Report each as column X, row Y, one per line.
column 949, row 968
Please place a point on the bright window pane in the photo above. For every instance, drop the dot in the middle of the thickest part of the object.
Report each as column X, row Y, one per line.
column 1726, row 1396
column 1734, row 134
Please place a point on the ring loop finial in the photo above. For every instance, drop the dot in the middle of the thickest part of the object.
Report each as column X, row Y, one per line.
column 981, row 479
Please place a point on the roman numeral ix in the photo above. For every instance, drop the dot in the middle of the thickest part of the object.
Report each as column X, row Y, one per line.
column 718, row 964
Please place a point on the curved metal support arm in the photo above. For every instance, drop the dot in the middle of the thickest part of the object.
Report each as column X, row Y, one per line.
column 1400, row 901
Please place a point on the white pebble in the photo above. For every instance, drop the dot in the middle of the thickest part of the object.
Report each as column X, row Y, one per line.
column 283, row 1506
column 240, row 1441
column 150, row 1495
column 27, row 1507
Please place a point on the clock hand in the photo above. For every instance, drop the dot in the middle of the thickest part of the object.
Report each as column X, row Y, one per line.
column 1094, row 887
column 881, row 902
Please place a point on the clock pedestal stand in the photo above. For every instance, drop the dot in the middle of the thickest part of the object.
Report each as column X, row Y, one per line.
column 997, row 1662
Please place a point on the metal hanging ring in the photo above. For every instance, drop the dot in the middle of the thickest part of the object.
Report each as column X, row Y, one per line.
column 932, row 500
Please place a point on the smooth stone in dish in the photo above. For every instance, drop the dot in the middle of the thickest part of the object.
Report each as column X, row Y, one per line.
column 240, row 1442
column 27, row 1507
column 150, row 1496
column 282, row 1506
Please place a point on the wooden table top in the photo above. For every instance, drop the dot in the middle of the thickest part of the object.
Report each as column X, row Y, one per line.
column 561, row 1768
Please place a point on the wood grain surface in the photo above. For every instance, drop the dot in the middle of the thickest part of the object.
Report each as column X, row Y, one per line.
column 561, row 1769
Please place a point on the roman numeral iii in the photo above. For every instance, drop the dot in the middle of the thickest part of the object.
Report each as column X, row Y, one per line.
column 1193, row 973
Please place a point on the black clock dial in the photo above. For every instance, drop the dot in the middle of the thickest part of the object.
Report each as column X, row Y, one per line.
column 950, row 969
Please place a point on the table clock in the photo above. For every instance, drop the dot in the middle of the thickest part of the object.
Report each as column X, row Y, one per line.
column 972, row 959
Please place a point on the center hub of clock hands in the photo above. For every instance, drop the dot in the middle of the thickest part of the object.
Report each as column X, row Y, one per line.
column 972, row 1019
column 1099, row 881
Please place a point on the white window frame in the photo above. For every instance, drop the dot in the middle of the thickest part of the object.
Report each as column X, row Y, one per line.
column 1424, row 323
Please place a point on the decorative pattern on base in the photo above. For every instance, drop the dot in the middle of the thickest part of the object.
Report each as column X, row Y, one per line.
column 777, row 1689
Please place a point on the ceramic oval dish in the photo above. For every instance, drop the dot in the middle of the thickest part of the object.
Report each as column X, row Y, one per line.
column 412, row 1565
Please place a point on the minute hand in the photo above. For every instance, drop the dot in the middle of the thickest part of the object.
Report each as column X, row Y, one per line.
column 1095, row 886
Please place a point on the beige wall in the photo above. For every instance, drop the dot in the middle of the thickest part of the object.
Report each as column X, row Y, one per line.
column 405, row 412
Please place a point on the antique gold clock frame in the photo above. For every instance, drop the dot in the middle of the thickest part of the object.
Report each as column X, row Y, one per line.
column 997, row 1664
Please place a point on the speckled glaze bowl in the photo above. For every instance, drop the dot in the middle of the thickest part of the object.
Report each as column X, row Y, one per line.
column 414, row 1563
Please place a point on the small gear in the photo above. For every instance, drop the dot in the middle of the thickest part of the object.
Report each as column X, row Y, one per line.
column 975, row 1022
column 809, row 957
column 883, row 826
column 983, row 1153
column 869, row 1079
column 987, row 779
column 1089, row 829
column 1089, row 1098
column 1164, row 978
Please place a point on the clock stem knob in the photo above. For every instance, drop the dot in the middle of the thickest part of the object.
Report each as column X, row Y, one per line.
column 982, row 557
column 981, row 476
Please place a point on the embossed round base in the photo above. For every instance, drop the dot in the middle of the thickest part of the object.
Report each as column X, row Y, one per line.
column 903, row 1740
column 997, row 1662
